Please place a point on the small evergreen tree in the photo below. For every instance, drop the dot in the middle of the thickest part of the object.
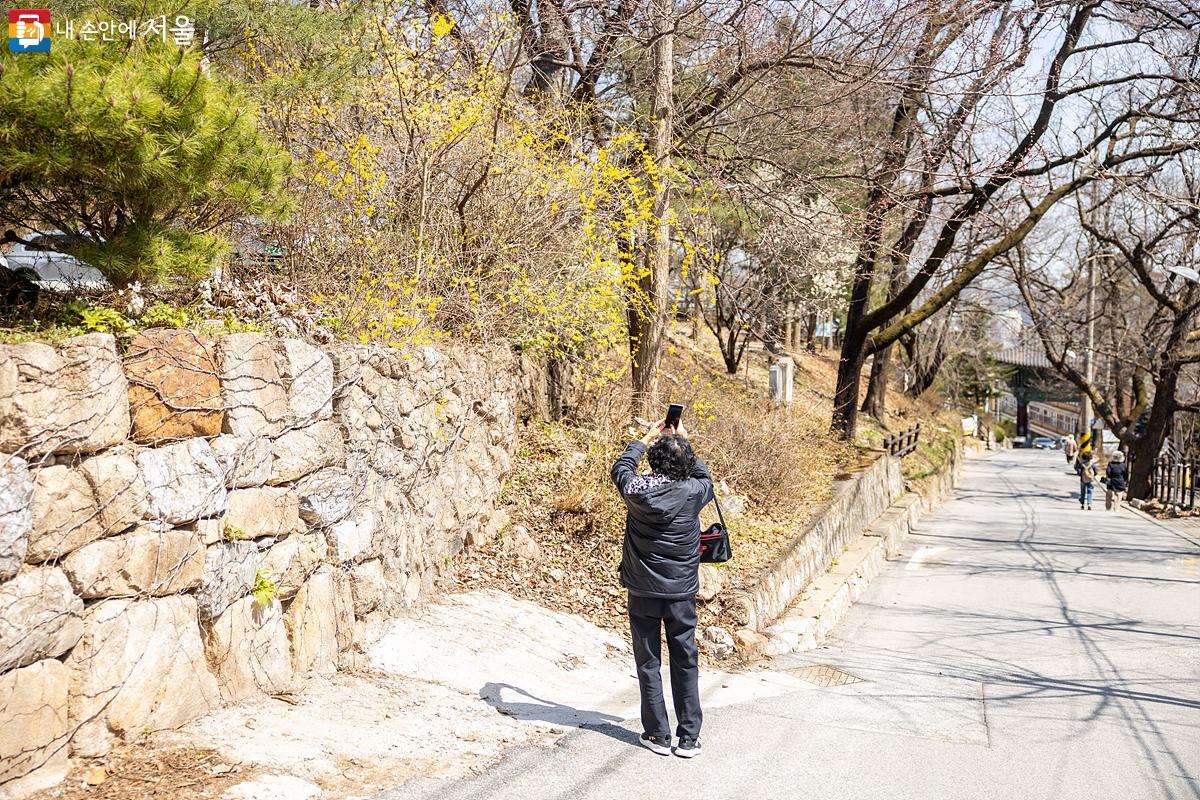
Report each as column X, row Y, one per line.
column 137, row 151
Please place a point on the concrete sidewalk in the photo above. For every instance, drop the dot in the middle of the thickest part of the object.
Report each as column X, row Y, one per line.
column 1021, row 648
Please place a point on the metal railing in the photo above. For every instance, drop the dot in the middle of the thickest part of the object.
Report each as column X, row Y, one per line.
column 903, row 443
column 1173, row 482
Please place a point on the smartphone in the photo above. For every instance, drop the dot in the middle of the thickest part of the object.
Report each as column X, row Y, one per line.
column 674, row 412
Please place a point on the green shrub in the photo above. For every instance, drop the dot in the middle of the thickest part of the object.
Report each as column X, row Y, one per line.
column 98, row 319
column 234, row 534
column 233, row 324
column 265, row 589
column 164, row 315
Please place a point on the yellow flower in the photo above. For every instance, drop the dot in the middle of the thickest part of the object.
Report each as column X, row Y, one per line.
column 441, row 25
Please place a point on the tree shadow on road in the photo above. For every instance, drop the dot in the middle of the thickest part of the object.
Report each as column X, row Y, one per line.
column 542, row 710
column 1050, row 551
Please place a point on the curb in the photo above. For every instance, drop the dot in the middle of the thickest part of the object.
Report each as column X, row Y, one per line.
column 1160, row 523
column 857, row 500
column 807, row 623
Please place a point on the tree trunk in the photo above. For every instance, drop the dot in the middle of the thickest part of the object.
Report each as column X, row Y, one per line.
column 647, row 332
column 845, row 395
column 730, row 356
column 560, row 377
column 875, row 404
column 647, row 328
column 854, row 338
column 1122, row 403
column 924, row 374
column 854, row 346
column 550, row 54
column 1145, row 448
column 810, row 343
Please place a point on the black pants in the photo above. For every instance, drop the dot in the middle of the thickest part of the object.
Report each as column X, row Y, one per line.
column 647, row 616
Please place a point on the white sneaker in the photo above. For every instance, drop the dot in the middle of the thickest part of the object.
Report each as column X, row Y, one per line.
column 656, row 744
column 688, row 748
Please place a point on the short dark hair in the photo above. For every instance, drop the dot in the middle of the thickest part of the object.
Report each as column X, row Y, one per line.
column 672, row 455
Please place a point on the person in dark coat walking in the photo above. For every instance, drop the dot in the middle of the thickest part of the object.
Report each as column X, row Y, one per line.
column 660, row 568
column 1116, row 481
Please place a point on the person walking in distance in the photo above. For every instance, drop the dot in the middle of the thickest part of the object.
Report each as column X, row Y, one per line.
column 1070, row 448
column 1116, row 481
column 1086, row 470
column 660, row 568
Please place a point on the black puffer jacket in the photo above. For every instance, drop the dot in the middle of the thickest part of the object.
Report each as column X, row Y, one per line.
column 1117, row 474
column 661, row 556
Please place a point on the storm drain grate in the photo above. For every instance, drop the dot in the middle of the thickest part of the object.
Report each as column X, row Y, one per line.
column 825, row 675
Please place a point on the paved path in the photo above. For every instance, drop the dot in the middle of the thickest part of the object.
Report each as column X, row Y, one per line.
column 1021, row 648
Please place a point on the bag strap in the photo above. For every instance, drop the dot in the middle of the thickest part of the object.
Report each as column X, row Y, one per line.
column 720, row 516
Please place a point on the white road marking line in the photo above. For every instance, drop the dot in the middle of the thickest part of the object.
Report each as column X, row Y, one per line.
column 920, row 556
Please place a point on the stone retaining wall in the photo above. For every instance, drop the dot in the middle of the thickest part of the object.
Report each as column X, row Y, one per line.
column 148, row 490
column 809, row 621
column 856, row 502
column 874, row 502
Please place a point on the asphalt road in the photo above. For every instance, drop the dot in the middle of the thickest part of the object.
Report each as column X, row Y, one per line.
column 1020, row 648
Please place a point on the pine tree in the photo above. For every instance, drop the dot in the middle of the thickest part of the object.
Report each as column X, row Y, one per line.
column 137, row 151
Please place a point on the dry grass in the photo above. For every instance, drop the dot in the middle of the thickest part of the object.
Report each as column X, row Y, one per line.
column 578, row 526
column 142, row 771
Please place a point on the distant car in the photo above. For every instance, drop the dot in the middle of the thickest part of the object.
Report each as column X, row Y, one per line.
column 1044, row 443
column 40, row 258
column 254, row 251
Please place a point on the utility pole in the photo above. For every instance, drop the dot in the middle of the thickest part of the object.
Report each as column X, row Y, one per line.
column 1089, row 361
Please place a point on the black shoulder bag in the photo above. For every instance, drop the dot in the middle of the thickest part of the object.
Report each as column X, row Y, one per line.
column 714, row 541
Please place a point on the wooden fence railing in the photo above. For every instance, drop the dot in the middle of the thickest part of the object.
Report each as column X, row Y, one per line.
column 903, row 443
column 1173, row 482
